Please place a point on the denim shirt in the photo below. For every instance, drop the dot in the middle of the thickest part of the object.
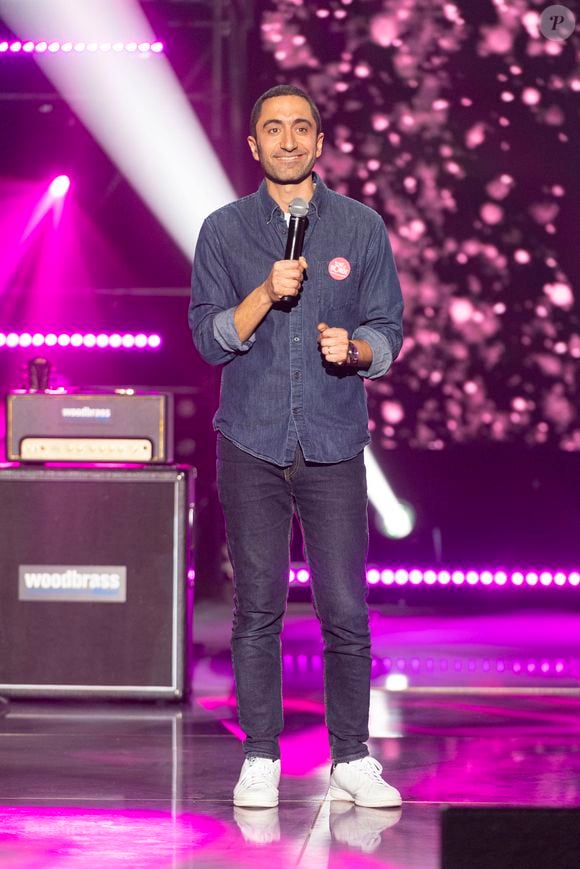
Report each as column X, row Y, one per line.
column 276, row 388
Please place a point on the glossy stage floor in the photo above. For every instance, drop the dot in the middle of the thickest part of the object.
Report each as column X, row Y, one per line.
column 489, row 721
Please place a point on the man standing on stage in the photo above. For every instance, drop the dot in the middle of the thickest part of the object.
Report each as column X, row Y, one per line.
column 292, row 426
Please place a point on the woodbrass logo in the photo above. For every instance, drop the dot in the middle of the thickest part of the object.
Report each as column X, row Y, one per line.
column 86, row 583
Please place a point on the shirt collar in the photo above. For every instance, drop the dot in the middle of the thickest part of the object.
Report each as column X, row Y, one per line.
column 315, row 206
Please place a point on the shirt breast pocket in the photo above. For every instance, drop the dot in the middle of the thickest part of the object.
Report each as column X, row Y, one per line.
column 337, row 282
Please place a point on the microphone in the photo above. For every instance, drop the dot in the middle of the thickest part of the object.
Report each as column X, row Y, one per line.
column 296, row 230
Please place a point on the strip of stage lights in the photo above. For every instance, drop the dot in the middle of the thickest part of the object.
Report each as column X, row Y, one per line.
column 55, row 47
column 498, row 578
column 77, row 340
column 432, row 665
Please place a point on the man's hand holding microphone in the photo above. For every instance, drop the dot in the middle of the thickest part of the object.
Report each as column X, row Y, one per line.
column 285, row 279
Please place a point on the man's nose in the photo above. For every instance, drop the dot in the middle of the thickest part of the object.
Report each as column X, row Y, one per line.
column 288, row 141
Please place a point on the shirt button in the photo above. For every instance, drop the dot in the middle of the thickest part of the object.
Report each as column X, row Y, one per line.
column 296, row 375
column 296, row 338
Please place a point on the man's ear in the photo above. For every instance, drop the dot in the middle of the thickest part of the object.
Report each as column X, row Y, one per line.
column 319, row 144
column 254, row 148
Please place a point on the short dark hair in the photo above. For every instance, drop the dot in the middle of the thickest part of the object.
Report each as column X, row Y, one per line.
column 283, row 90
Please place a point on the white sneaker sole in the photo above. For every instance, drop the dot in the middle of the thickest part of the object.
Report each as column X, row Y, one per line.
column 336, row 793
column 250, row 802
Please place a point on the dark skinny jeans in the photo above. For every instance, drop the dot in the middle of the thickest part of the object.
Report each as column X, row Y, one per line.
column 258, row 500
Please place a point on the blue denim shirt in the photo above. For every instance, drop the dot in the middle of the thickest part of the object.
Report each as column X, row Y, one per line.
column 276, row 388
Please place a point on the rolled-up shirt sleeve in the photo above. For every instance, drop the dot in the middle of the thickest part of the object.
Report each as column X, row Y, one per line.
column 382, row 353
column 213, row 302
column 381, row 305
column 226, row 334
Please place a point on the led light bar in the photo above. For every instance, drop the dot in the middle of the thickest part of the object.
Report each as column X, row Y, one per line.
column 99, row 341
column 56, row 47
column 524, row 666
column 415, row 576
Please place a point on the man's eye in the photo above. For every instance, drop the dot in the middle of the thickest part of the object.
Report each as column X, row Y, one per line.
column 272, row 129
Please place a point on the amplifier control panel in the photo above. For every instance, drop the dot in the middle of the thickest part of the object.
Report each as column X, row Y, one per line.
column 86, row 449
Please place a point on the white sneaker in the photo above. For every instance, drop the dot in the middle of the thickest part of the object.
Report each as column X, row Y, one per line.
column 360, row 782
column 258, row 783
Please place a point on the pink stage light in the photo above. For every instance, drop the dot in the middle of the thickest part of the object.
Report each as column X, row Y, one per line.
column 90, row 341
column 59, row 187
column 80, row 47
column 416, row 576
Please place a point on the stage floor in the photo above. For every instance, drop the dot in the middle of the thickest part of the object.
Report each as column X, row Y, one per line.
column 144, row 785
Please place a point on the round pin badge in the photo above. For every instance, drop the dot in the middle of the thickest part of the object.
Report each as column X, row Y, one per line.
column 339, row 268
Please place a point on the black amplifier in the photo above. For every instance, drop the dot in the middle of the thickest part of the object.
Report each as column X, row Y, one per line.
column 58, row 426
column 96, row 590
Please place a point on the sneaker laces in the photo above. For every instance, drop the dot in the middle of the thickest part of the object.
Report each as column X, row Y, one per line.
column 372, row 768
column 256, row 771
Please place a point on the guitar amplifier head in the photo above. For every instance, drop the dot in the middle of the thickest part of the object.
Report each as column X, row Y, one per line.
column 89, row 427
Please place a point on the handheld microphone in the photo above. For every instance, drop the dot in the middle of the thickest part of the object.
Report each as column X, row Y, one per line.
column 296, row 230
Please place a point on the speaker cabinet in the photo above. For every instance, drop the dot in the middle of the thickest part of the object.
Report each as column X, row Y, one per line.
column 95, row 597
column 510, row 838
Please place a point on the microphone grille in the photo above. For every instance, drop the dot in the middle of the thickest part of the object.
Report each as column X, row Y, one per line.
column 299, row 207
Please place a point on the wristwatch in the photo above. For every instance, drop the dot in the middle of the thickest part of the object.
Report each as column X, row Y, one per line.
column 352, row 356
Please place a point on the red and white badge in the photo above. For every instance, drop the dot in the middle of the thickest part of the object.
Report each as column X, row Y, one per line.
column 339, row 268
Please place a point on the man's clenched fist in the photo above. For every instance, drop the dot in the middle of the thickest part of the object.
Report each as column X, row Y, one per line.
column 333, row 343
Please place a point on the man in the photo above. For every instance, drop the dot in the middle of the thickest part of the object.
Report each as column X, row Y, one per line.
column 292, row 426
